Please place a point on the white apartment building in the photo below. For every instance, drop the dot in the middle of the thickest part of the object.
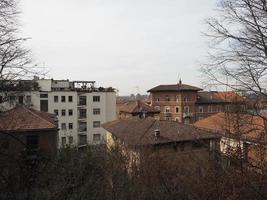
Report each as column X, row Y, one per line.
column 81, row 108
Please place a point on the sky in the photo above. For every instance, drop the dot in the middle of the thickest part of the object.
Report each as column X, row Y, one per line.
column 132, row 45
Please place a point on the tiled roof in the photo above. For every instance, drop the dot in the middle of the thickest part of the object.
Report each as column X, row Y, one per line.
column 25, row 119
column 137, row 107
column 217, row 97
column 247, row 126
column 136, row 131
column 174, row 88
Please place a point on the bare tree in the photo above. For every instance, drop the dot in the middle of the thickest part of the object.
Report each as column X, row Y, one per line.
column 238, row 35
column 15, row 61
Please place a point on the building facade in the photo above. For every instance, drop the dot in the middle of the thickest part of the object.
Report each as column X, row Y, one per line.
column 187, row 104
column 81, row 108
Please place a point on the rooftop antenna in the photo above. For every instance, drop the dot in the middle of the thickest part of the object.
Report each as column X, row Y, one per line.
column 178, row 78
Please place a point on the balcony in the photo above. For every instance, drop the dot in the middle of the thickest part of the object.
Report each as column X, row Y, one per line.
column 187, row 115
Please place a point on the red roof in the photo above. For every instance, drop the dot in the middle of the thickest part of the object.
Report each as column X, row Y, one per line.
column 22, row 119
column 137, row 107
column 247, row 126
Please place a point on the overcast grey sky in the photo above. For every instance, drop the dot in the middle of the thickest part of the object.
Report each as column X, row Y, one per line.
column 119, row 43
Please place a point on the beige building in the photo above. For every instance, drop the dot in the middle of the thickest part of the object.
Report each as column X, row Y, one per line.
column 80, row 107
column 167, row 138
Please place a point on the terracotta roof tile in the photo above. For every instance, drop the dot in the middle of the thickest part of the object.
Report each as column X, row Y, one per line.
column 136, row 131
column 174, row 88
column 137, row 107
column 25, row 119
column 247, row 126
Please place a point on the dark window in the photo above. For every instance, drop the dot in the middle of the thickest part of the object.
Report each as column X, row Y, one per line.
column 167, row 98
column 70, row 112
column 44, row 105
column 96, row 98
column 32, row 142
column 63, row 126
column 82, row 113
column 70, row 98
column 63, row 139
column 28, row 99
column 1, row 99
column 56, row 112
column 197, row 144
column 96, row 124
column 96, row 137
column 55, row 98
column 63, row 112
column 43, row 95
column 70, row 126
column 82, row 126
column 82, row 139
column 96, row 111
column 12, row 98
column 82, row 100
column 63, row 98
column 21, row 99
column 70, row 140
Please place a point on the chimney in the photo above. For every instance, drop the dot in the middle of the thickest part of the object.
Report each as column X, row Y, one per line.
column 180, row 82
column 157, row 133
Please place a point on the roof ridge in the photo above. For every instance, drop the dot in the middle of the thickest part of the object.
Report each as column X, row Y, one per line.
column 28, row 110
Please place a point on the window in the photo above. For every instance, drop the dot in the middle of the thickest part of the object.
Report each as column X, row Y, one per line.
column 63, row 98
column 82, row 100
column 185, row 99
column 32, row 142
column 12, row 98
column 168, row 118
column 1, row 99
column 43, row 95
column 28, row 99
column 21, row 99
column 167, row 98
column 157, row 99
column 63, row 141
column 177, row 109
column 70, row 98
column 200, row 109
column 197, row 144
column 209, row 108
column 70, row 140
column 186, row 109
column 55, row 99
column 96, row 98
column 177, row 119
column 177, row 98
column 82, row 113
column 82, row 126
column 44, row 105
column 96, row 137
column 63, row 112
column 70, row 112
column 96, row 111
column 56, row 112
column 167, row 109
column 96, row 124
column 63, row 126
column 70, row 126
column 82, row 139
